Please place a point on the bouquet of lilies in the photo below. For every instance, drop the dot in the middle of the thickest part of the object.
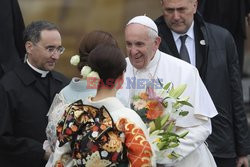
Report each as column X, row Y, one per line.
column 160, row 112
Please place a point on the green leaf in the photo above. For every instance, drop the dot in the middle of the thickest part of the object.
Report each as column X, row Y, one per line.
column 170, row 127
column 182, row 135
column 173, row 138
column 177, row 105
column 152, row 126
column 166, row 136
column 160, row 82
column 161, row 145
column 157, row 122
column 165, row 105
column 183, row 113
column 173, row 155
column 167, row 86
column 173, row 145
column 164, row 119
column 183, row 102
column 171, row 92
column 178, row 91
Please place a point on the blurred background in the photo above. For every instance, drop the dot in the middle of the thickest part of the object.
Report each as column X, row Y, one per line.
column 77, row 17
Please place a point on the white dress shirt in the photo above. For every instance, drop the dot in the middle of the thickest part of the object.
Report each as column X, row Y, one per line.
column 190, row 43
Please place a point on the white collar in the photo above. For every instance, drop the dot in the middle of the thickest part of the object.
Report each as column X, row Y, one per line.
column 43, row 73
column 190, row 33
column 111, row 103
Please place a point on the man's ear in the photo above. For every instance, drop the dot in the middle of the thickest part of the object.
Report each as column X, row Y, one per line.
column 161, row 2
column 157, row 42
column 28, row 46
column 195, row 6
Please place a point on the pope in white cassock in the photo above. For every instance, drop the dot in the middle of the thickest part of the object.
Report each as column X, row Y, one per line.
column 145, row 62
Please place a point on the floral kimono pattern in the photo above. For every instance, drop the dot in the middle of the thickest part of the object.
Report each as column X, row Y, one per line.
column 138, row 148
column 95, row 139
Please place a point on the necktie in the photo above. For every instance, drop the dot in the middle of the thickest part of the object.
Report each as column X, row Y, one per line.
column 183, row 51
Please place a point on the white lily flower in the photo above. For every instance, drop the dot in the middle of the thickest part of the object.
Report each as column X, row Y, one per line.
column 85, row 71
column 75, row 60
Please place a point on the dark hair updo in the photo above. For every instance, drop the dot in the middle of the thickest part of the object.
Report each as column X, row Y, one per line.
column 108, row 61
column 90, row 41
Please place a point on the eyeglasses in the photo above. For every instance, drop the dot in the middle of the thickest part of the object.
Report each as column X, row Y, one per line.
column 52, row 49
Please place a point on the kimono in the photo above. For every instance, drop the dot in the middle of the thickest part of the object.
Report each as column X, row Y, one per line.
column 101, row 133
column 163, row 69
column 76, row 90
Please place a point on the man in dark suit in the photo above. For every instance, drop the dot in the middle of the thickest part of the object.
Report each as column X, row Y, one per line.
column 212, row 50
column 230, row 14
column 27, row 92
column 11, row 35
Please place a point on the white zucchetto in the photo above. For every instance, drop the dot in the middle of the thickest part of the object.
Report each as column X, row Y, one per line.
column 144, row 20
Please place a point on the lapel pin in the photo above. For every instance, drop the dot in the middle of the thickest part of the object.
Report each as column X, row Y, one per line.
column 202, row 42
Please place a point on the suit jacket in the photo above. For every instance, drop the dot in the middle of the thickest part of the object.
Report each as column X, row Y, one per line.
column 23, row 119
column 217, row 62
column 11, row 35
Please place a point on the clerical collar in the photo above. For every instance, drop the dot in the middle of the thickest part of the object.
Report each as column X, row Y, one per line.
column 43, row 73
column 190, row 33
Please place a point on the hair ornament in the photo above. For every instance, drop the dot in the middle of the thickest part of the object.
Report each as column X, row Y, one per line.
column 93, row 74
column 87, row 72
column 75, row 60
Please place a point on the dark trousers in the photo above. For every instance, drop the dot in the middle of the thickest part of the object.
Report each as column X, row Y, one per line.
column 225, row 162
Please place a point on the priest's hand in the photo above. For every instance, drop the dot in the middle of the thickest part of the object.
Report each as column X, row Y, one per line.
column 47, row 149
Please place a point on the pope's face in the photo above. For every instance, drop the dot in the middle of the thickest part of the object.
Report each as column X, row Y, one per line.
column 179, row 14
column 140, row 47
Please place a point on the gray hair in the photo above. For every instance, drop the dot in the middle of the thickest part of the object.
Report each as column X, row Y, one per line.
column 152, row 34
column 33, row 31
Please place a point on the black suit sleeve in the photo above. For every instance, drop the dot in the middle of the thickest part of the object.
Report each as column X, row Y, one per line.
column 21, row 149
column 239, row 117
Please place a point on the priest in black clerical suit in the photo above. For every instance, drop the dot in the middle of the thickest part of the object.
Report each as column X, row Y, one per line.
column 26, row 93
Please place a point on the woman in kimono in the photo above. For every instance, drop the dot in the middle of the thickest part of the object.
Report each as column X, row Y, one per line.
column 100, row 131
column 77, row 89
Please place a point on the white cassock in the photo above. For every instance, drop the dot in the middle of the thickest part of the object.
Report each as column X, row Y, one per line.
column 167, row 68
